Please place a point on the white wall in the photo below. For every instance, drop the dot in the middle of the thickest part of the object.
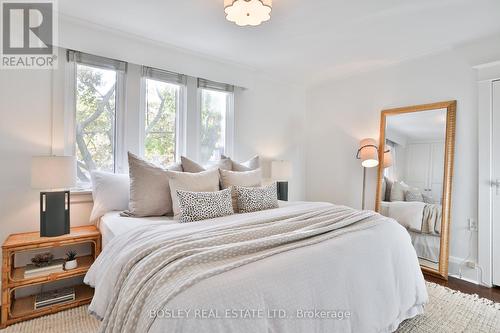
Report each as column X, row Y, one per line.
column 267, row 120
column 270, row 122
column 340, row 113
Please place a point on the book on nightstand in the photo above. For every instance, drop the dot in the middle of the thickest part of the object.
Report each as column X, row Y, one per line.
column 54, row 297
column 54, row 267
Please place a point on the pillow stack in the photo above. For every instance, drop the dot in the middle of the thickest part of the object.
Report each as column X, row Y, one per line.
column 187, row 191
column 400, row 191
column 205, row 181
column 230, row 179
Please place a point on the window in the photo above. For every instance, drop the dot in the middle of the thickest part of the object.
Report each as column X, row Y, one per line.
column 163, row 90
column 97, row 107
column 215, row 111
column 160, row 115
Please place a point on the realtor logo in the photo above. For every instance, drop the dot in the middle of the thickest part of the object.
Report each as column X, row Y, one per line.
column 28, row 32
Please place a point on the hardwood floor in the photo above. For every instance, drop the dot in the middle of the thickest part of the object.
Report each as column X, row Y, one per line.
column 467, row 287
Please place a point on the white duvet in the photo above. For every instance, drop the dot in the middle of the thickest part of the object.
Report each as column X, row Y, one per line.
column 370, row 278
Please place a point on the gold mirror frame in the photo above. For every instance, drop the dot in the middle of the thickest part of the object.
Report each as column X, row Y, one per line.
column 451, row 107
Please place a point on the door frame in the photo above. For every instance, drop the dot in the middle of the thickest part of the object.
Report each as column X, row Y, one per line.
column 486, row 74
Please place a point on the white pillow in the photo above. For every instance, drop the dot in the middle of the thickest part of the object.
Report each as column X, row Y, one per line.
column 205, row 181
column 110, row 192
column 398, row 190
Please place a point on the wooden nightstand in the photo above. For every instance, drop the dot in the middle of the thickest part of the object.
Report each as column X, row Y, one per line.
column 20, row 309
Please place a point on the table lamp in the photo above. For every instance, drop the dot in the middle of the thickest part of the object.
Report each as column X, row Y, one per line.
column 54, row 175
column 281, row 172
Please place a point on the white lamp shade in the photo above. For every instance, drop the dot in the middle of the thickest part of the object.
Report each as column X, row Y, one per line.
column 53, row 172
column 281, row 171
column 388, row 161
column 368, row 153
column 248, row 12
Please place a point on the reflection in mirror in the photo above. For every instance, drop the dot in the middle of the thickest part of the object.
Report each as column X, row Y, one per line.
column 412, row 179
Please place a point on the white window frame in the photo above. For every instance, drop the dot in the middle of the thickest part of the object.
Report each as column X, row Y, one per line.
column 180, row 112
column 229, row 131
column 130, row 108
column 229, row 149
column 120, row 110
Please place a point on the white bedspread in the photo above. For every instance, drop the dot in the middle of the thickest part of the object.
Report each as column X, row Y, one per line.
column 112, row 224
column 373, row 274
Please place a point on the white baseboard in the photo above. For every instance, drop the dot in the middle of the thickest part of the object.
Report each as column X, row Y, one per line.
column 457, row 265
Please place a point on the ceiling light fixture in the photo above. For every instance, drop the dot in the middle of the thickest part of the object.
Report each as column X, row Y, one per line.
column 248, row 12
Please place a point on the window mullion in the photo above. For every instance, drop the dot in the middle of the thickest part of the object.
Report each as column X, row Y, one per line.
column 180, row 148
column 229, row 144
column 120, row 119
column 142, row 115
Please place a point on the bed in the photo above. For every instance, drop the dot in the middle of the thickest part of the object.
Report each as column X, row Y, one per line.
column 423, row 222
column 358, row 273
column 112, row 224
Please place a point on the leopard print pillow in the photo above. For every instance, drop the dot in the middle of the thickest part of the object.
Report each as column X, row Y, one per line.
column 253, row 199
column 198, row 206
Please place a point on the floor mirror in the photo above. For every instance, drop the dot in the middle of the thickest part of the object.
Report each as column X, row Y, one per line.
column 417, row 145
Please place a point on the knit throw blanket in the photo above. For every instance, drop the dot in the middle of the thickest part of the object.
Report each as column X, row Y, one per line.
column 163, row 266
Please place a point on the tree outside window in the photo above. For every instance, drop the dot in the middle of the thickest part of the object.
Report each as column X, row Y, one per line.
column 213, row 124
column 160, row 122
column 95, row 120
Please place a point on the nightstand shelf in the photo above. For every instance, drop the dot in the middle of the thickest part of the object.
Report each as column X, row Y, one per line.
column 16, row 279
column 22, row 308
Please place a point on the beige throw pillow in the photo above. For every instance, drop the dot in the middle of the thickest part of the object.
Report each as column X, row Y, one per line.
column 251, row 164
column 149, row 188
column 229, row 179
column 193, row 167
column 205, row 181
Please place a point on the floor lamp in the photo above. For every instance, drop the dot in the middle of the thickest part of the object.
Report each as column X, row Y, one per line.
column 368, row 154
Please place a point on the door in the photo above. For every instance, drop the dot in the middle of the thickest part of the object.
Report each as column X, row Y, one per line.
column 496, row 182
column 437, row 171
column 418, row 161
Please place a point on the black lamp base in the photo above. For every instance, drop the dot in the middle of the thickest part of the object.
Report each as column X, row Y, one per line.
column 282, row 188
column 54, row 213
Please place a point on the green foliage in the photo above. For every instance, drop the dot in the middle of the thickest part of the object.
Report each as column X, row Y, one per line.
column 160, row 122
column 95, row 118
column 212, row 117
column 71, row 255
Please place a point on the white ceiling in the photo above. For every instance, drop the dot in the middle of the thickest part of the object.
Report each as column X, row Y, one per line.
column 305, row 41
